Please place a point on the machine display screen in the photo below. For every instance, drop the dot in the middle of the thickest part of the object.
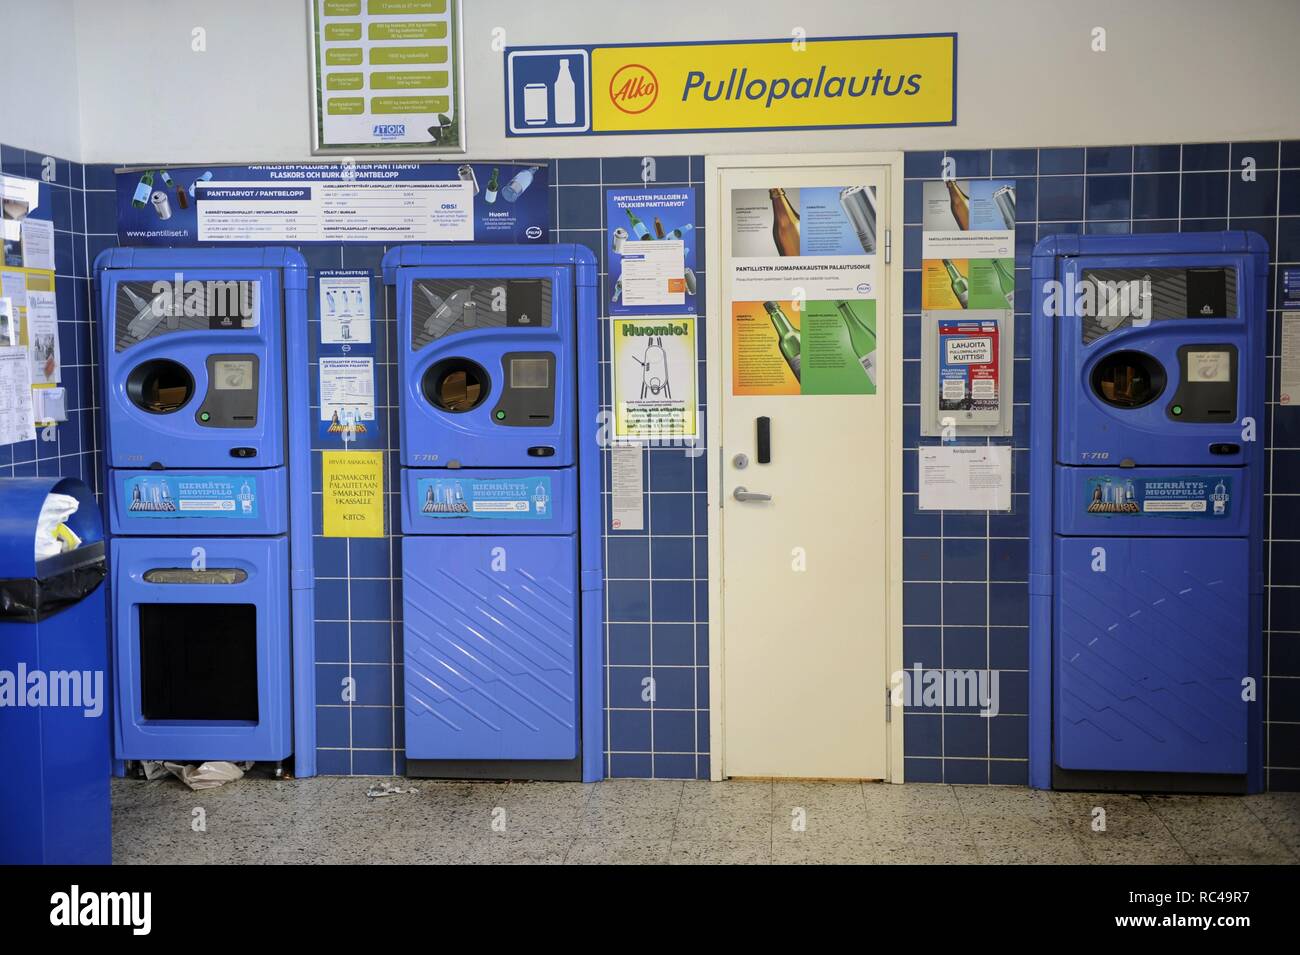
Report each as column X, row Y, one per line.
column 529, row 373
column 232, row 375
column 1209, row 366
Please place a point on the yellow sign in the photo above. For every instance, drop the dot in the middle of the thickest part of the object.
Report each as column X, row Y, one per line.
column 353, row 482
column 775, row 84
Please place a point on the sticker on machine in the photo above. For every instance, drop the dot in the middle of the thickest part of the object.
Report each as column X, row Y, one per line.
column 191, row 495
column 519, row 498
column 1194, row 496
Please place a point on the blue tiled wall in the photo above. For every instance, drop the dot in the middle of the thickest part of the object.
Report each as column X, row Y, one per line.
column 965, row 575
column 62, row 200
column 966, row 595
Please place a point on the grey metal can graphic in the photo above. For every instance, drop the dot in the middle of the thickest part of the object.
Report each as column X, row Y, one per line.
column 620, row 236
column 466, row 173
column 1005, row 200
column 161, row 205
column 859, row 204
column 690, row 281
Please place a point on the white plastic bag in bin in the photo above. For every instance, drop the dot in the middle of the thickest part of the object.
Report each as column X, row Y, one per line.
column 52, row 534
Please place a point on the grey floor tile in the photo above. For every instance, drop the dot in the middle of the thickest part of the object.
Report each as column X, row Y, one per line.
column 614, row 824
column 618, row 852
column 720, row 853
column 724, row 824
column 909, row 798
column 1005, row 801
column 814, row 851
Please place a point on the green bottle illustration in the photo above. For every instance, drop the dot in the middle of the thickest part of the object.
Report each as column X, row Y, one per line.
column 960, row 287
column 788, row 334
column 1006, row 282
column 862, row 338
column 143, row 190
column 639, row 228
column 167, row 179
column 493, row 185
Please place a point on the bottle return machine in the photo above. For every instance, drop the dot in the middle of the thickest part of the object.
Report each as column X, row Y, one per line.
column 501, row 550
column 209, row 489
column 1146, row 544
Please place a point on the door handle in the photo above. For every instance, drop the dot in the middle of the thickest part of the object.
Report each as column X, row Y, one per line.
column 741, row 494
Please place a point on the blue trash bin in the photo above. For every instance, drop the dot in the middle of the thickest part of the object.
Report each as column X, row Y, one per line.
column 55, row 762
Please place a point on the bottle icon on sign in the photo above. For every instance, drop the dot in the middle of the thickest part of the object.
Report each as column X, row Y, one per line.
column 785, row 223
column 143, row 190
column 566, row 96
column 1006, row 282
column 206, row 177
column 788, row 335
column 659, row 228
column 862, row 338
column 638, row 227
column 246, row 498
column 960, row 287
column 493, row 185
column 516, row 186
column 539, row 498
column 959, row 203
column 428, row 498
column 1220, row 498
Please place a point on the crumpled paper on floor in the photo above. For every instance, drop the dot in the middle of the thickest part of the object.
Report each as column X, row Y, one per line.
column 387, row 789
column 200, row 776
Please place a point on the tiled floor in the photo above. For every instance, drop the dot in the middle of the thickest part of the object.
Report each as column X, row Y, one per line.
column 330, row 819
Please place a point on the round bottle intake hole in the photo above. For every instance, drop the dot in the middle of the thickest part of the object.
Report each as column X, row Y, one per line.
column 456, row 385
column 160, row 386
column 1128, row 379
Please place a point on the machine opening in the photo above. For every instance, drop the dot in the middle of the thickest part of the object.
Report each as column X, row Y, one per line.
column 198, row 662
column 160, row 386
column 456, row 384
column 1128, row 379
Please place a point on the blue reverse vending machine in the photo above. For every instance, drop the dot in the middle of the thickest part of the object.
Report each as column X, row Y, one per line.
column 501, row 549
column 206, row 408
column 1146, row 516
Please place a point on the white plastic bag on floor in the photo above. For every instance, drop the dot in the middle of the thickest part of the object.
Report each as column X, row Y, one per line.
column 203, row 776
column 50, row 540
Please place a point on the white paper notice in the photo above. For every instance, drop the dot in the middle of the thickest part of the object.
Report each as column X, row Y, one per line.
column 347, row 388
column 15, row 288
column 38, row 244
column 8, row 323
column 1289, row 375
column 15, row 397
column 654, row 272
column 43, row 338
column 18, row 197
column 344, row 309
column 628, row 487
column 965, row 478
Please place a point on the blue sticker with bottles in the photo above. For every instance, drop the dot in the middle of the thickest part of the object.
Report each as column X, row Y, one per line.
column 191, row 495
column 521, row 498
column 1193, row 496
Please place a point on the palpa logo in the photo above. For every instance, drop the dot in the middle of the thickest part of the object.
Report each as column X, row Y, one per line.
column 533, row 232
column 389, row 130
column 633, row 88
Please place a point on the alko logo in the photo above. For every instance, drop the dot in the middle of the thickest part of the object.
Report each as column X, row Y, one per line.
column 633, row 88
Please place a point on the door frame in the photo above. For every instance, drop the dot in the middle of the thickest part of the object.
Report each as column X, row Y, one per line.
column 891, row 391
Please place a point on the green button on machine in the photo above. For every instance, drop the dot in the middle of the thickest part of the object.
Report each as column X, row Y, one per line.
column 501, row 415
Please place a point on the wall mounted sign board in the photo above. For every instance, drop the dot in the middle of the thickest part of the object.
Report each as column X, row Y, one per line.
column 741, row 85
column 386, row 75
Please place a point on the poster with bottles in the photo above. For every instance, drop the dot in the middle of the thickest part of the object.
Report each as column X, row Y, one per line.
column 386, row 74
column 968, row 244
column 653, row 361
column 827, row 347
column 345, row 201
column 650, row 236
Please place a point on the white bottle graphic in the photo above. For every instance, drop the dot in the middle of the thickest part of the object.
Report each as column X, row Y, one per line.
column 565, row 97
column 539, row 498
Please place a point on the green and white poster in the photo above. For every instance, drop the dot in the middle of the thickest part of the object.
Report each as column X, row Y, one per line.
column 386, row 74
column 826, row 348
column 653, row 359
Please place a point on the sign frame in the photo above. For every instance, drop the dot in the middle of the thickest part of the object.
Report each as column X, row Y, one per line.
column 379, row 150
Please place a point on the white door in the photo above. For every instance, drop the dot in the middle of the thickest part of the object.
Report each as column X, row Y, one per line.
column 809, row 532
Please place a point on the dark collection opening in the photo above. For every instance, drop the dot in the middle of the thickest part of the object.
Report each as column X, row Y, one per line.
column 1128, row 379
column 160, row 386
column 198, row 662
column 456, row 384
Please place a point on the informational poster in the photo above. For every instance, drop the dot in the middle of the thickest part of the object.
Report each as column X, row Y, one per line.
column 38, row 243
column 968, row 244
column 1290, row 288
column 353, row 486
column 964, row 478
column 1289, row 373
column 968, row 369
column 654, row 377
column 627, row 484
column 1187, row 496
column 386, row 74
column 18, row 197
column 8, row 323
column 695, row 86
column 43, row 338
column 345, row 201
column 15, row 396
column 231, row 496
column 651, row 243
column 804, row 289
column 828, row 348
column 344, row 307
column 347, row 394
column 517, row 497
